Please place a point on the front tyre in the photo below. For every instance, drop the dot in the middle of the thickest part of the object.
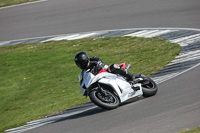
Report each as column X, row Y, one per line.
column 110, row 101
column 149, row 87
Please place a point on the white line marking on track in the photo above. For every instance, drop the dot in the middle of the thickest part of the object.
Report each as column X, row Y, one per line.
column 185, row 60
column 1, row 43
column 161, row 32
column 137, row 33
column 161, row 79
column 189, row 41
column 150, row 33
column 41, row 122
column 28, row 3
column 82, row 36
column 188, row 54
column 196, row 36
column 66, row 37
column 147, row 33
column 177, row 74
column 70, row 37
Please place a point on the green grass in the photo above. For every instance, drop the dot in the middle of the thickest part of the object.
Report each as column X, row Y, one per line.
column 13, row 2
column 41, row 78
column 195, row 130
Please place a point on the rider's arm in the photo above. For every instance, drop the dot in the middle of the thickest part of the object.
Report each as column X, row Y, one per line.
column 96, row 65
column 98, row 61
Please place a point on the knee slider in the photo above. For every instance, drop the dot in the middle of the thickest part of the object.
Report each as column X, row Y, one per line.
column 114, row 68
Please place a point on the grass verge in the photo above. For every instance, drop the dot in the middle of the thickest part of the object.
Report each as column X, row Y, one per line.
column 41, row 78
column 13, row 2
column 195, row 130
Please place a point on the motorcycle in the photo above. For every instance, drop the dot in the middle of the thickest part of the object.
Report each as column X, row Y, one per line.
column 108, row 90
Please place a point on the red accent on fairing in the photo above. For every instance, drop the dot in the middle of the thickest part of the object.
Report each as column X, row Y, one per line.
column 102, row 71
column 123, row 65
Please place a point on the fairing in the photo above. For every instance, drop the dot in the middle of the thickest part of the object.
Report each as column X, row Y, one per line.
column 118, row 83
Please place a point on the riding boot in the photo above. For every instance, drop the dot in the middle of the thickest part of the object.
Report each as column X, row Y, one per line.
column 126, row 74
column 137, row 75
column 116, row 69
column 130, row 77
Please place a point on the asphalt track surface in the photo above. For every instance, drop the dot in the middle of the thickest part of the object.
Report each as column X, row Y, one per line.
column 54, row 17
column 174, row 108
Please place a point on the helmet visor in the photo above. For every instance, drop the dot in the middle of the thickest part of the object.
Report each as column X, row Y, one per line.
column 82, row 63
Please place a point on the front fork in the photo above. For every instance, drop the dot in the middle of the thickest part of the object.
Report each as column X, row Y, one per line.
column 101, row 91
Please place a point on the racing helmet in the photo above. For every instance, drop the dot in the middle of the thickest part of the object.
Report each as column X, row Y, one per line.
column 81, row 59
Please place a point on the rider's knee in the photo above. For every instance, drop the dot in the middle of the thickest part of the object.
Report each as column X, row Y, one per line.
column 114, row 68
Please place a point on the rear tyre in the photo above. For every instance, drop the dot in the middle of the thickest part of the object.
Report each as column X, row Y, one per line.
column 111, row 101
column 149, row 87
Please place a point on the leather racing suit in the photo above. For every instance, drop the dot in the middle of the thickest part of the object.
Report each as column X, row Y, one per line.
column 96, row 65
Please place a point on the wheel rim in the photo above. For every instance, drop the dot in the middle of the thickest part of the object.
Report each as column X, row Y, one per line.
column 110, row 98
column 148, row 84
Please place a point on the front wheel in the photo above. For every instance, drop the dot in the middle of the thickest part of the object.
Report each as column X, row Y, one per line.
column 149, row 87
column 110, row 101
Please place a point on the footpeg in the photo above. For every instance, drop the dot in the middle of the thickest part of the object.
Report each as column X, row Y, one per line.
column 137, row 80
column 136, row 88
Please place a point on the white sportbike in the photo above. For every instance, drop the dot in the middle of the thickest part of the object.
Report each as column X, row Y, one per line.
column 108, row 90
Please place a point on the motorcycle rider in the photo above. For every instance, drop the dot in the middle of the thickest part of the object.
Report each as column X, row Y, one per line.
column 95, row 64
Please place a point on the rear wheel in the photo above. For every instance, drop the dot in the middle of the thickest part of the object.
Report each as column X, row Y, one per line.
column 149, row 87
column 108, row 101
